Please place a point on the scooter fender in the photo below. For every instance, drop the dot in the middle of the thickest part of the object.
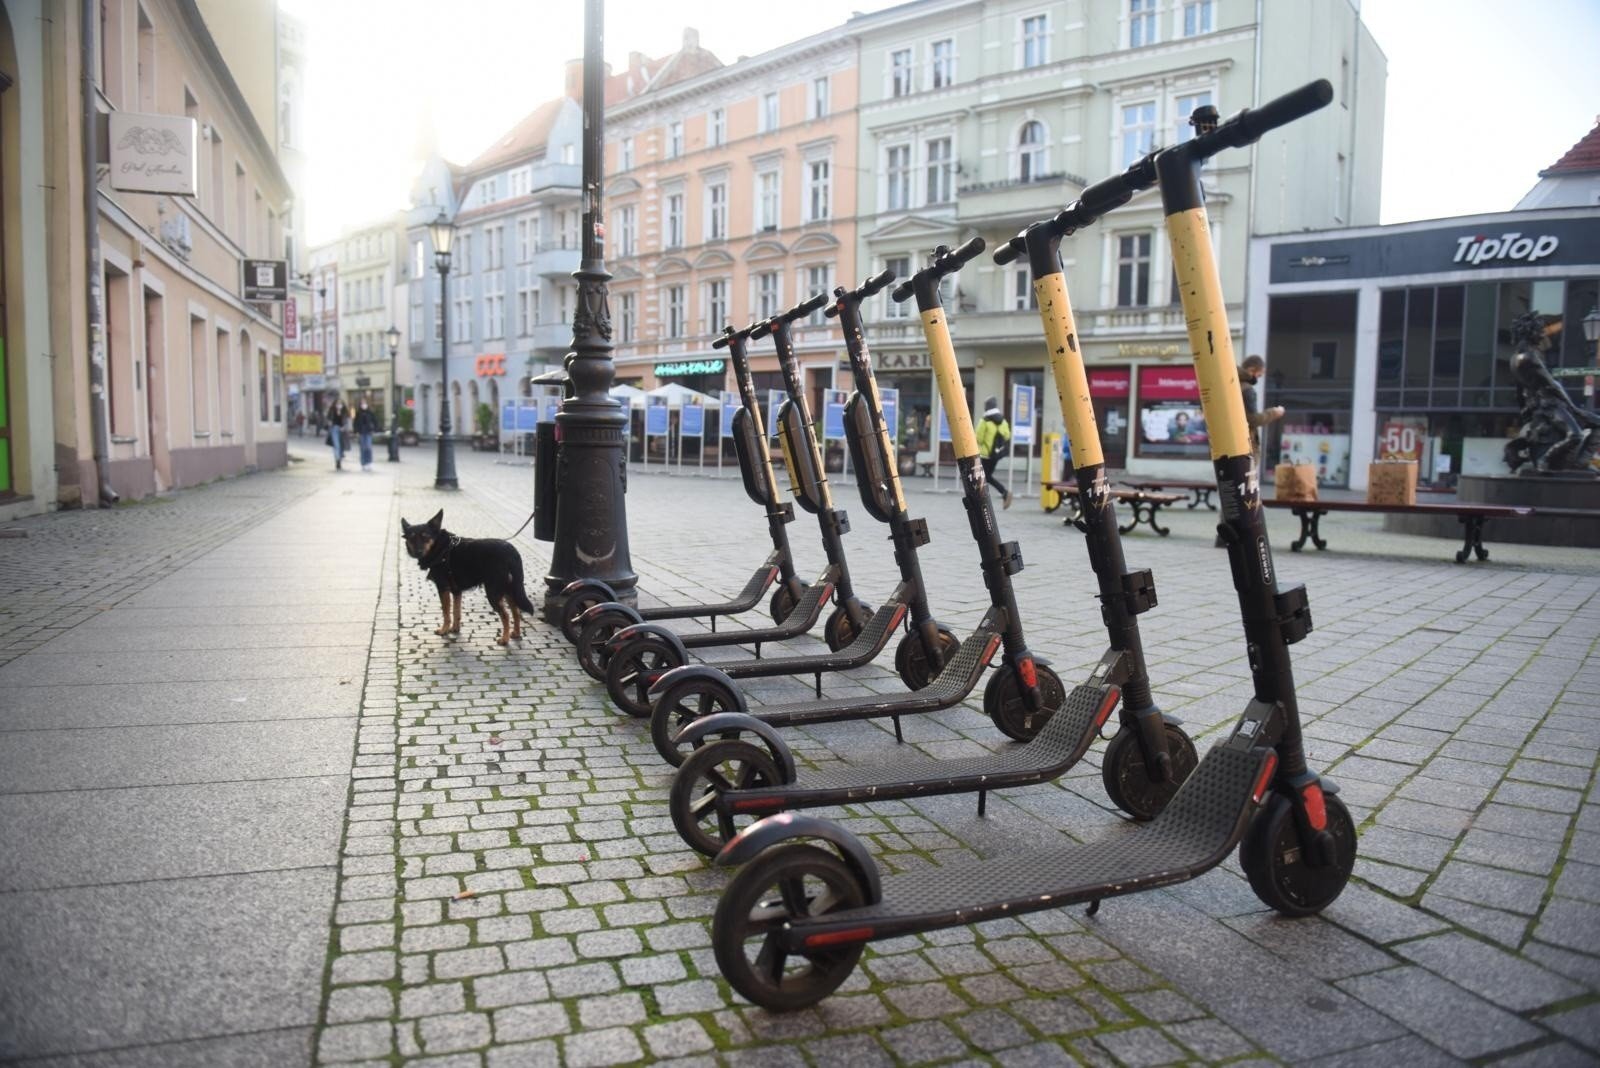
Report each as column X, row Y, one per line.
column 595, row 611
column 622, row 637
column 583, row 584
column 787, row 826
column 731, row 721
column 697, row 671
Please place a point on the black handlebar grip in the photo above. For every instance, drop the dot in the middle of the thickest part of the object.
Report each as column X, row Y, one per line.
column 723, row 338
column 875, row 283
column 1009, row 251
column 902, row 292
column 966, row 252
column 760, row 330
column 804, row 308
column 1254, row 122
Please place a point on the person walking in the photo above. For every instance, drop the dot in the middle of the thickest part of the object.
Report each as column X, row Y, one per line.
column 366, row 424
column 1250, row 372
column 992, row 431
column 338, row 422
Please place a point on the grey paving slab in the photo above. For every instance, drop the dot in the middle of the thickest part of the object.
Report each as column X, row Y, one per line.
column 235, row 635
column 97, row 758
column 302, row 696
column 1444, row 1014
column 208, row 615
column 112, row 836
column 106, row 967
column 174, row 665
column 284, row 1048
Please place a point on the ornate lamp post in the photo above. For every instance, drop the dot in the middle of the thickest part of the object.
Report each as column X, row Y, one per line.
column 591, row 533
column 443, row 232
column 392, row 337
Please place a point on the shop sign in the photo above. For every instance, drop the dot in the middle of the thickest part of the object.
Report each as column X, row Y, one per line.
column 1132, row 348
column 265, row 281
column 291, row 320
column 1403, row 437
column 302, row 363
column 1171, row 422
column 1109, row 383
column 1480, row 248
column 491, row 364
column 154, row 153
column 901, row 361
column 690, row 367
column 1168, row 383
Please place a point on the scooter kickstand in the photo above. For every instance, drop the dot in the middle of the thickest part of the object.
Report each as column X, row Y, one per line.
column 983, row 802
column 1094, row 907
column 897, row 735
column 817, row 684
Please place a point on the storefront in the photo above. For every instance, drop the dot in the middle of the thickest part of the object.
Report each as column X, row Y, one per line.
column 1393, row 341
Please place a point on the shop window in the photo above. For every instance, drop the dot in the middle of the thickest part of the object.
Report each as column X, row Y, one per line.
column 1447, row 344
column 1583, row 297
column 1419, row 340
column 1171, row 423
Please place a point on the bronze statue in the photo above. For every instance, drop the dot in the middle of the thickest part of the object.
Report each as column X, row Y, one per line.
column 1556, row 435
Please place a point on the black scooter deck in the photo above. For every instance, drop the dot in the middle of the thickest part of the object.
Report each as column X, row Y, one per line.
column 867, row 645
column 1196, row 831
column 800, row 619
column 760, row 581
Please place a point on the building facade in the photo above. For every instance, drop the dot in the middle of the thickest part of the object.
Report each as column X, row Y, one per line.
column 370, row 262
column 1392, row 341
column 981, row 116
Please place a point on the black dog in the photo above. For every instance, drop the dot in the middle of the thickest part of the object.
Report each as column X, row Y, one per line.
column 454, row 564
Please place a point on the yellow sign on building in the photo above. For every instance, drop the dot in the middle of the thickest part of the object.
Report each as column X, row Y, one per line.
column 302, row 363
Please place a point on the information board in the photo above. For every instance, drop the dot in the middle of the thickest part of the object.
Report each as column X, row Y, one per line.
column 730, row 408
column 1024, row 412
column 890, row 398
column 833, row 414
column 655, row 417
column 692, row 421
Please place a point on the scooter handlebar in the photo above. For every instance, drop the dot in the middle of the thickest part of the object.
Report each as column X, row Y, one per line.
column 801, row 310
column 728, row 335
column 1011, row 249
column 861, row 293
column 760, row 330
column 1249, row 125
column 944, row 262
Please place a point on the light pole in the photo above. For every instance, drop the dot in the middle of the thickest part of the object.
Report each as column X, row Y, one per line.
column 1591, row 334
column 591, row 528
column 443, row 232
column 392, row 336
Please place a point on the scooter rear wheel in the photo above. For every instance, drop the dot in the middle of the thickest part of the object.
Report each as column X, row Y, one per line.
column 591, row 644
column 783, row 884
column 1127, row 779
column 1003, row 703
column 722, row 766
column 635, row 668
column 911, row 660
column 782, row 603
column 575, row 606
column 841, row 630
column 681, row 704
column 1274, row 858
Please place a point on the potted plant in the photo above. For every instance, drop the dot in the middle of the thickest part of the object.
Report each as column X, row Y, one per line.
column 483, row 417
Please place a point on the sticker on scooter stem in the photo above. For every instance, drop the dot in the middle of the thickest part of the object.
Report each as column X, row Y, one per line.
column 1264, row 554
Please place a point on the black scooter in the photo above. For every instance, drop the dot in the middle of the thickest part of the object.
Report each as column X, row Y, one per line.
column 732, row 781
column 637, row 656
column 792, row 924
column 1020, row 698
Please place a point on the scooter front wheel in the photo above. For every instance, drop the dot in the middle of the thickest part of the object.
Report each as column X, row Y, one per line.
column 721, row 767
column 1128, row 781
column 911, row 661
column 681, row 704
column 576, row 606
column 1003, row 702
column 1274, row 857
column 783, row 602
column 635, row 668
column 786, row 883
column 841, row 629
column 591, row 644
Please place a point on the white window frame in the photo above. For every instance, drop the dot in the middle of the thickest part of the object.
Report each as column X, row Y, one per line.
column 814, row 279
column 759, row 293
column 765, row 222
column 947, row 166
column 1145, row 14
column 768, row 112
column 527, row 302
column 674, row 311
column 627, row 230
column 627, row 320
column 819, row 98
column 625, row 155
column 717, row 127
column 1039, row 153
column 675, row 139
column 1122, row 151
column 818, row 190
column 1022, row 297
column 673, row 217
column 716, row 212
column 948, row 78
column 889, row 174
column 494, row 305
column 1042, row 39
column 1118, row 260
column 1181, row 130
column 1180, row 18
column 902, row 266
column 902, row 78
column 714, row 304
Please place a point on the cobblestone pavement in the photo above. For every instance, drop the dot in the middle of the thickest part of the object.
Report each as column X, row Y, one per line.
column 511, row 891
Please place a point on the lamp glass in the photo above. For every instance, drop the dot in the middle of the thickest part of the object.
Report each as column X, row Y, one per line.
column 392, row 336
column 442, row 232
column 1591, row 325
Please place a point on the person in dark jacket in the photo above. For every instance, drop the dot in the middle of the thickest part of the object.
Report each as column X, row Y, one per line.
column 366, row 425
column 338, row 425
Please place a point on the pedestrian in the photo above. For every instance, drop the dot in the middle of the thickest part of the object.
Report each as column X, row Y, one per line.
column 1250, row 372
column 365, row 424
column 338, row 423
column 992, row 430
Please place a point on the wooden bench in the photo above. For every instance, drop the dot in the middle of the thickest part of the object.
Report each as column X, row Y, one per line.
column 1472, row 517
column 1143, row 503
column 1200, row 489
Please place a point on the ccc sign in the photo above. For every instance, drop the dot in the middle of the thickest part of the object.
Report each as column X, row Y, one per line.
column 490, row 365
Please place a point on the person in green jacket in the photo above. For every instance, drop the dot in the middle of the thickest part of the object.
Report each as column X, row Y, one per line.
column 994, row 434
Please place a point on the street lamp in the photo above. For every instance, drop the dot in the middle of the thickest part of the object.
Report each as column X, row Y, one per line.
column 392, row 336
column 1591, row 334
column 442, row 231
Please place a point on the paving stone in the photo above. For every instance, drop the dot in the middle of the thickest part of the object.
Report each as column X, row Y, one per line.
column 1493, row 974
column 1581, row 1025
column 1139, row 1047
column 920, row 1043
column 511, row 988
column 593, row 1048
column 678, row 1038
column 351, row 1003
column 1571, row 925
column 529, row 1021
column 348, row 1042
column 432, row 1000
column 1443, row 1014
column 458, row 1031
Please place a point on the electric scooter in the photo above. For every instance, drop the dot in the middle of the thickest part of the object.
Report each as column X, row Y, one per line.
column 1020, row 698
column 731, row 781
column 638, row 655
column 792, row 923
column 761, row 485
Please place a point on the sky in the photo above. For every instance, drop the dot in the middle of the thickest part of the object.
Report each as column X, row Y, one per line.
column 1481, row 94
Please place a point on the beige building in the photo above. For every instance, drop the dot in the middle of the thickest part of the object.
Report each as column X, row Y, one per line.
column 730, row 196
column 192, row 383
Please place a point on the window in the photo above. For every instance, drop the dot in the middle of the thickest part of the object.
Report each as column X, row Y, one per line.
column 567, row 228
column 527, row 302
column 900, row 72
column 942, row 63
column 625, row 231
column 1023, row 296
column 819, row 97
column 1032, row 154
column 769, row 113
column 625, row 155
column 199, row 367
column 416, row 321
column 525, row 232
column 675, row 140
column 941, row 171
column 675, row 221
column 491, row 190
column 625, row 318
column 1182, row 108
column 817, row 282
column 716, row 211
column 767, row 200
column 147, row 63
column 521, row 182
column 419, row 261
column 767, row 294
column 898, row 172
column 1133, row 270
column 461, row 311
column 438, row 325
column 716, row 305
column 494, row 247
column 901, row 266
column 675, row 310
column 818, row 181
column 1141, row 23
column 1196, row 17
column 1036, row 41
column 494, row 305
column 461, row 254
column 1138, row 130
column 717, row 127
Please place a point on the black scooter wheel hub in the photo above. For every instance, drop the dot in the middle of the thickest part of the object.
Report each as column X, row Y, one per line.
column 635, row 668
column 574, row 608
column 1004, row 704
column 1279, row 865
column 1128, row 781
column 591, row 644
column 720, row 768
column 680, row 705
column 911, row 661
column 783, row 602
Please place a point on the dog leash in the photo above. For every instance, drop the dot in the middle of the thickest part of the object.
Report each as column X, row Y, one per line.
column 523, row 527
